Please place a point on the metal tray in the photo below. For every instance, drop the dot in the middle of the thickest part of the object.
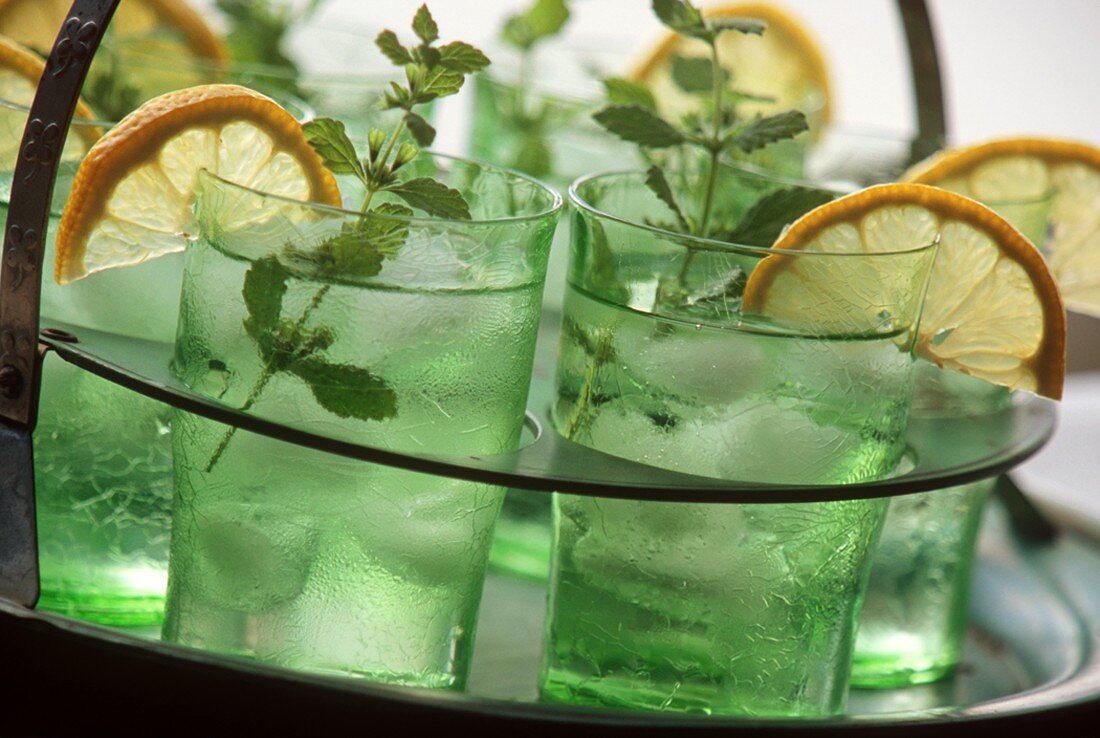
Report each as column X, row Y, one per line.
column 1030, row 661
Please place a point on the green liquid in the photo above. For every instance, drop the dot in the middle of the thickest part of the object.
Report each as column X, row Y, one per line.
column 103, row 475
column 725, row 609
column 316, row 562
column 103, row 463
column 915, row 614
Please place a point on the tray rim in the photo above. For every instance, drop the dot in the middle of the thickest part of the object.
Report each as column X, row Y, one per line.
column 1072, row 694
column 572, row 463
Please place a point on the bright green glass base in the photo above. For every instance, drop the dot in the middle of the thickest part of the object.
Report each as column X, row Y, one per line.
column 115, row 608
column 890, row 672
column 560, row 686
column 521, row 541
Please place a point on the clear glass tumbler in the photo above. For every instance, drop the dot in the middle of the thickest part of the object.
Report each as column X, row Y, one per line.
column 103, row 464
column 732, row 609
column 314, row 561
column 914, row 618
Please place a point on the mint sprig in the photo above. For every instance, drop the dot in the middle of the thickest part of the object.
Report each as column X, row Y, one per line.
column 544, row 19
column 258, row 31
column 622, row 91
column 630, row 116
column 539, row 22
column 361, row 247
column 713, row 130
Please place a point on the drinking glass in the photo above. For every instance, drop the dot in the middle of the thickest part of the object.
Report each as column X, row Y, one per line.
column 915, row 614
column 541, row 124
column 736, row 608
column 310, row 560
column 103, row 469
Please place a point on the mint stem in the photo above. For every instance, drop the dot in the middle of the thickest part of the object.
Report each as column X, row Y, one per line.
column 575, row 418
column 269, row 368
column 265, row 376
column 715, row 146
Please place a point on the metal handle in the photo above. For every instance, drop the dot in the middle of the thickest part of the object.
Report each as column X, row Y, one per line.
column 924, row 67
column 21, row 287
column 29, row 204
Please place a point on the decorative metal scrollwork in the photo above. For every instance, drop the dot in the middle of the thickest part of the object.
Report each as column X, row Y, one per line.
column 41, row 148
column 21, row 255
column 14, row 345
column 75, row 44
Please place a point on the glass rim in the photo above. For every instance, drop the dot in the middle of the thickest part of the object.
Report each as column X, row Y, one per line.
column 713, row 245
column 556, row 199
column 597, row 96
column 83, row 122
column 875, row 132
column 755, row 170
column 378, row 78
column 299, row 109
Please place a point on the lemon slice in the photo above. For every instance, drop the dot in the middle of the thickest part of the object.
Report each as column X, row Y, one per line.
column 784, row 63
column 1022, row 168
column 35, row 23
column 20, row 70
column 992, row 309
column 131, row 198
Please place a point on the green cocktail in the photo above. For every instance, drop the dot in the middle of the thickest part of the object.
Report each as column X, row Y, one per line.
column 103, row 465
column 735, row 609
column 103, row 453
column 914, row 618
column 520, row 123
column 306, row 559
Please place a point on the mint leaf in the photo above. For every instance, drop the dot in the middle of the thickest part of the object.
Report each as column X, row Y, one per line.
column 719, row 301
column 396, row 97
column 657, row 182
column 462, row 57
column 421, row 130
column 534, row 156
column 426, row 56
column 360, row 247
column 753, row 26
column 256, row 33
column 108, row 90
column 763, row 223
column 638, row 125
column 434, row 198
column 683, row 17
column 330, row 140
column 764, row 131
column 424, row 25
column 543, row 19
column 696, row 74
column 623, row 91
column 737, row 96
column 387, row 43
column 386, row 234
column 346, row 391
column 441, row 82
column 263, row 292
column 350, row 254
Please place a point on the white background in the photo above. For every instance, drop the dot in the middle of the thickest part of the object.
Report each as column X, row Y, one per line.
column 1010, row 66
